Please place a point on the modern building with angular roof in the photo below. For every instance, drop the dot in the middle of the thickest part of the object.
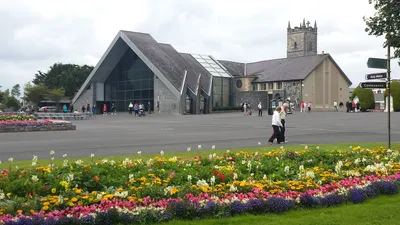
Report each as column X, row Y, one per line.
column 136, row 68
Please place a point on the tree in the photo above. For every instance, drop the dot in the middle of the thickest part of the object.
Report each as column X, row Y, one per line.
column 366, row 97
column 35, row 93
column 69, row 77
column 16, row 91
column 12, row 103
column 395, row 92
column 56, row 95
column 385, row 21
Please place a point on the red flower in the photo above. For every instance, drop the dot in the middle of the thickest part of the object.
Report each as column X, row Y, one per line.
column 221, row 176
column 96, row 179
column 215, row 172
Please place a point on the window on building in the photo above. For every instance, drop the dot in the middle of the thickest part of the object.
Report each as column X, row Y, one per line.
column 279, row 86
column 295, row 45
column 255, row 87
column 263, row 86
column 270, row 86
column 239, row 83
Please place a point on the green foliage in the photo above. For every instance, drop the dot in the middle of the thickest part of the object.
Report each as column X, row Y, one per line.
column 16, row 91
column 56, row 94
column 395, row 92
column 366, row 97
column 385, row 21
column 12, row 103
column 35, row 93
column 17, row 117
column 69, row 77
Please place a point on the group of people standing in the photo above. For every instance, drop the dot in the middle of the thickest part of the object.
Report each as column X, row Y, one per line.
column 304, row 107
column 278, row 124
column 139, row 109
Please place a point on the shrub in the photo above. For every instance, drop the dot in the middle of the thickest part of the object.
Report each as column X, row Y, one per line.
column 395, row 92
column 366, row 97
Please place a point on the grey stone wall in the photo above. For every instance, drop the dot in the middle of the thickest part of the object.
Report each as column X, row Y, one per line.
column 86, row 97
column 168, row 101
column 292, row 89
column 306, row 39
column 252, row 97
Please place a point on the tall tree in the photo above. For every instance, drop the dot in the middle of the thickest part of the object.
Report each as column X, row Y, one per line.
column 56, row 95
column 16, row 91
column 12, row 103
column 35, row 93
column 69, row 77
column 385, row 22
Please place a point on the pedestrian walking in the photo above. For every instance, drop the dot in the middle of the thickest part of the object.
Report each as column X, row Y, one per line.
column 283, row 114
column 309, row 107
column 260, row 109
column 130, row 107
column 94, row 111
column 276, row 126
column 245, row 108
column 105, row 109
column 335, row 108
column 113, row 110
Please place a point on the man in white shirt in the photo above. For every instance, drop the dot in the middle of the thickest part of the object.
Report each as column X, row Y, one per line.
column 283, row 114
column 276, row 125
column 245, row 108
column 335, row 107
column 259, row 109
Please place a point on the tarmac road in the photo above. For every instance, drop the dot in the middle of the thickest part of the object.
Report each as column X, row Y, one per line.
column 125, row 134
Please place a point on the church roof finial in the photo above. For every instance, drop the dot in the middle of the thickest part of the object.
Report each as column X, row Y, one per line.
column 289, row 25
column 315, row 24
column 304, row 22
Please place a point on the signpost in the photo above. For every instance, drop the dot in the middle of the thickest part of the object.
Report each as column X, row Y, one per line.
column 373, row 76
column 377, row 63
column 380, row 85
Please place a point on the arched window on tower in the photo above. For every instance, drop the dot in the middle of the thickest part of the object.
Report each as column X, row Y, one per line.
column 309, row 46
column 295, row 45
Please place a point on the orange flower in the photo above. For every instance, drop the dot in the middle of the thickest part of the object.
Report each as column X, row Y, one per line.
column 96, row 179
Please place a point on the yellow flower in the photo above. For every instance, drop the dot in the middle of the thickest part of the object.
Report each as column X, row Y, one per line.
column 74, row 199
column 45, row 208
column 71, row 204
column 19, row 211
column 53, row 190
column 78, row 191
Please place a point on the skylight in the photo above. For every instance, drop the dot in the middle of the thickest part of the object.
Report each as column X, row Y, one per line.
column 211, row 66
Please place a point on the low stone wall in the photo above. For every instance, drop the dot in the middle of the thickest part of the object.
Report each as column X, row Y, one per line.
column 47, row 127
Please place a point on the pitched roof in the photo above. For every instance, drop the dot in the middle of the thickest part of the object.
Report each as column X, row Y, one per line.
column 284, row 69
column 199, row 69
column 158, row 57
column 234, row 68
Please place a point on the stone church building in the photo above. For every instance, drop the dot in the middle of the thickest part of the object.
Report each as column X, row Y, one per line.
column 136, row 68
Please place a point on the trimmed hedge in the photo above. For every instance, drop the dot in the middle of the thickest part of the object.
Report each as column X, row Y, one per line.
column 395, row 92
column 17, row 117
column 366, row 97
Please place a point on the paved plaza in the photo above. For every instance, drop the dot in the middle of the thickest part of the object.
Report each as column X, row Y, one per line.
column 124, row 134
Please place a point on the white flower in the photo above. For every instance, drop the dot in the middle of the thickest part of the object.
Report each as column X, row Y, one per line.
column 139, row 152
column 188, row 149
column 212, row 180
column 277, row 159
column 70, row 177
column 202, row 183
column 199, row 147
column 130, row 176
column 79, row 162
column 282, row 147
column 2, row 195
column 259, row 143
column 52, row 158
column 35, row 178
column 162, row 153
column 233, row 188
column 235, row 176
column 65, row 163
column 189, row 178
column 35, row 158
column 33, row 163
column 227, row 151
column 52, row 152
column 11, row 159
column 317, row 147
column 306, row 147
column 60, row 199
column 350, row 146
column 265, row 177
column 287, row 170
column 65, row 155
column 92, row 155
column 301, row 168
column 214, row 155
column 256, row 154
column 213, row 147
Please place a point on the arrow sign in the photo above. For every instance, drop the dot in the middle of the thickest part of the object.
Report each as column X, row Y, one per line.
column 381, row 85
column 373, row 76
column 377, row 63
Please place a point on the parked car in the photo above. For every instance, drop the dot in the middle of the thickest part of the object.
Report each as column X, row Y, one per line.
column 49, row 109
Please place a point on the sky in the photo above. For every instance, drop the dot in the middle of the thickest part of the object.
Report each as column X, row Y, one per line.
column 36, row 34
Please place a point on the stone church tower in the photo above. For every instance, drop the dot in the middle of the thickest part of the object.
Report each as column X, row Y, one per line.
column 302, row 40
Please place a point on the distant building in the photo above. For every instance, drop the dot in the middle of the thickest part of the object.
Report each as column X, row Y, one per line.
column 136, row 68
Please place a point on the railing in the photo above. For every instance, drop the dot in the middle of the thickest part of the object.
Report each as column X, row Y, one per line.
column 64, row 116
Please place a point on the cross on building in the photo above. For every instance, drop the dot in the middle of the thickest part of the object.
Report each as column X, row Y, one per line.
column 308, row 23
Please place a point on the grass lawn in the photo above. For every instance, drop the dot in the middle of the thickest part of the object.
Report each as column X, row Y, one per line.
column 194, row 152
column 382, row 210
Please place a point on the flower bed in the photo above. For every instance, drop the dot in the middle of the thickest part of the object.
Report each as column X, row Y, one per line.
column 17, row 117
column 161, row 189
column 35, row 125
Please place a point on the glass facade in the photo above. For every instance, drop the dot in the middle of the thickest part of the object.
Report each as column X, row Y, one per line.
column 130, row 81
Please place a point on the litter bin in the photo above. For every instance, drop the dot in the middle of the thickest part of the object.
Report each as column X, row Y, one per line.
column 272, row 106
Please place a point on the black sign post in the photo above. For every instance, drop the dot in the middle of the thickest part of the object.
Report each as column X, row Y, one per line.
column 373, row 76
column 378, row 85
